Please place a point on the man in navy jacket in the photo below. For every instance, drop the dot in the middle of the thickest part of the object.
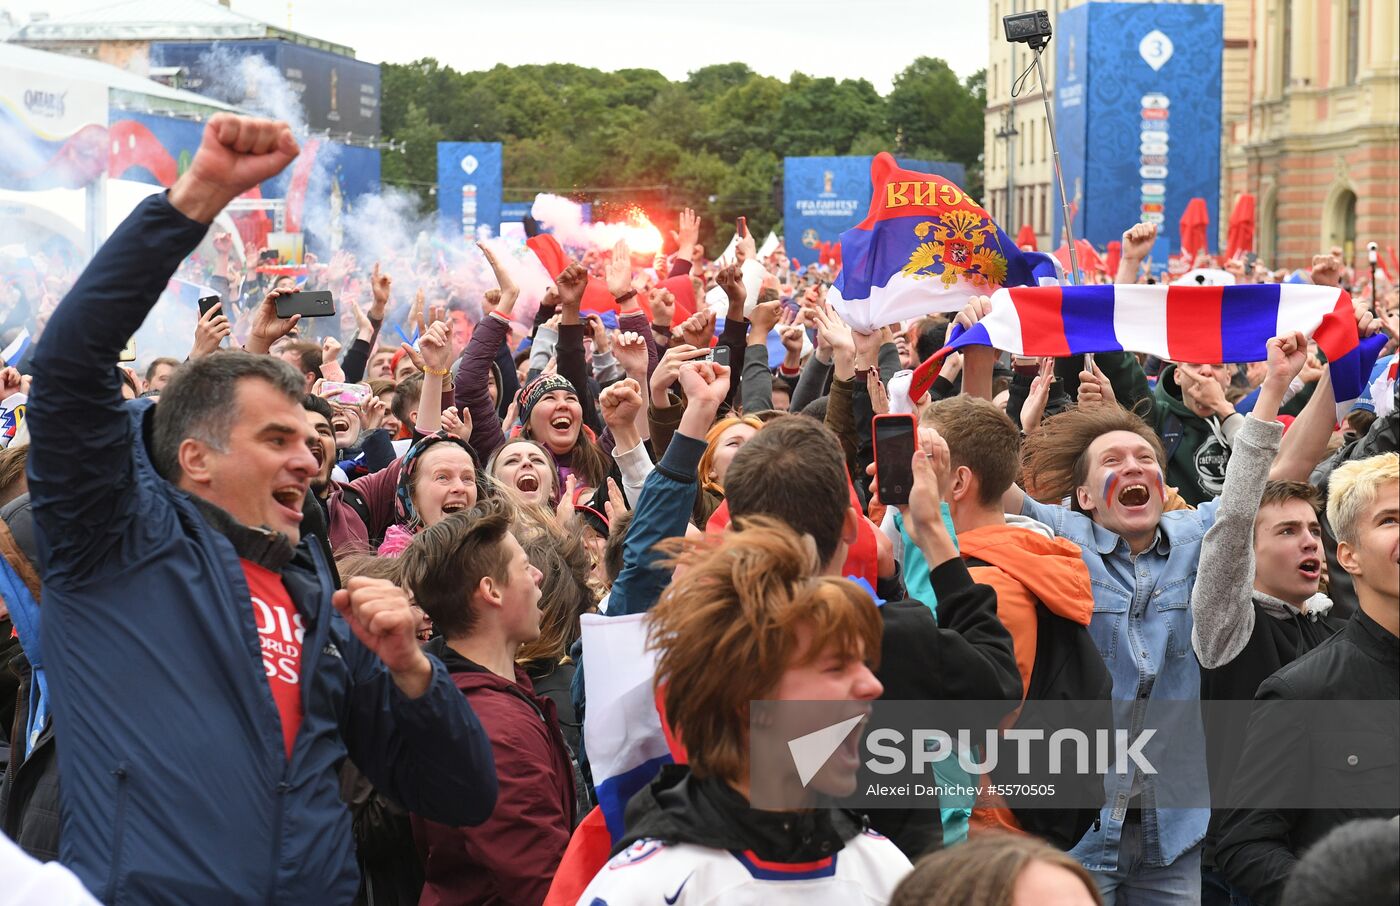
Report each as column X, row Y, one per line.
column 207, row 678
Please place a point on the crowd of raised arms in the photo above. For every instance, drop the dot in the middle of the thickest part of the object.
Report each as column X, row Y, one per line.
column 300, row 618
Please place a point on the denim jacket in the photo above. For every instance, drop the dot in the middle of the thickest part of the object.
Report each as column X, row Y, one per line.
column 1142, row 627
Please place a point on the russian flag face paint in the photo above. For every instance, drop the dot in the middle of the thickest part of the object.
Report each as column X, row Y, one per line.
column 1110, row 485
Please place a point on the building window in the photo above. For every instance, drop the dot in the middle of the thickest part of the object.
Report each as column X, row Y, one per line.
column 1286, row 42
column 1353, row 39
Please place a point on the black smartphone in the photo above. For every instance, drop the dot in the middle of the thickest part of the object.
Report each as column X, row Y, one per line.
column 1249, row 261
column 894, row 457
column 310, row 304
column 720, row 356
column 206, row 303
column 267, row 255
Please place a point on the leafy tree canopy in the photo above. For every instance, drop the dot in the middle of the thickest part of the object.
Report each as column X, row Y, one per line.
column 714, row 142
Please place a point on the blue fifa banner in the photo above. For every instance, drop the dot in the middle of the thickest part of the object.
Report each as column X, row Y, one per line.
column 825, row 196
column 1137, row 116
column 469, row 189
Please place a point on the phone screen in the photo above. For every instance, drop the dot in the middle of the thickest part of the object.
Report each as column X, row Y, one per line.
column 894, row 455
column 343, row 394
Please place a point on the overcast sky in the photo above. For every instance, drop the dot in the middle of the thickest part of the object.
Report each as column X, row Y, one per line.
column 870, row 39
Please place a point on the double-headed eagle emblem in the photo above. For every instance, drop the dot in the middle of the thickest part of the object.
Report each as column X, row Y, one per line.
column 956, row 251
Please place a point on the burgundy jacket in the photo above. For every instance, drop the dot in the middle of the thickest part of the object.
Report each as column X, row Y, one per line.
column 511, row 857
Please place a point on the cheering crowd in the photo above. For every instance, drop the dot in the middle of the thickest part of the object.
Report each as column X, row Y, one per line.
column 301, row 621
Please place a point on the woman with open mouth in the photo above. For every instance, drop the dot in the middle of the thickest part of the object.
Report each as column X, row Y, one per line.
column 526, row 468
column 437, row 478
column 552, row 409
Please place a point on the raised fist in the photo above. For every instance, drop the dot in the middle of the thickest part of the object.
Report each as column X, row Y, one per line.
column 235, row 154
column 571, row 284
column 1138, row 240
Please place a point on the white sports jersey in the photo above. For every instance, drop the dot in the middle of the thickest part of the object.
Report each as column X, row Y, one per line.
column 651, row 873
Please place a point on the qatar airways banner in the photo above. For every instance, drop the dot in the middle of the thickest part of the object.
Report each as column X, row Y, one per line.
column 1137, row 116
column 825, row 196
column 53, row 128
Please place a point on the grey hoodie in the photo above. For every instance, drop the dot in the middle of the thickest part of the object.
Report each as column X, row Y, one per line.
column 1223, row 597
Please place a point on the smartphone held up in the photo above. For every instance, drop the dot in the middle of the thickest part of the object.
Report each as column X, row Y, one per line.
column 309, row 304
column 895, row 439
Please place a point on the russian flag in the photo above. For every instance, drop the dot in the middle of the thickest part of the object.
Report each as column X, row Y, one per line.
column 622, row 729
column 13, row 353
column 626, row 739
column 925, row 246
column 1195, row 324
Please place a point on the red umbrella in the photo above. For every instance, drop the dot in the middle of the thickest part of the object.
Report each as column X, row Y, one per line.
column 1089, row 260
column 1026, row 238
column 1194, row 221
column 1115, row 254
column 1241, row 237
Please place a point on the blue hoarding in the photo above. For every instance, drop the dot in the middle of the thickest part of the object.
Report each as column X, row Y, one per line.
column 469, row 188
column 824, row 196
column 1137, row 116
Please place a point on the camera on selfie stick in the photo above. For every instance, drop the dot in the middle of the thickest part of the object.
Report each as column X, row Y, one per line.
column 1033, row 30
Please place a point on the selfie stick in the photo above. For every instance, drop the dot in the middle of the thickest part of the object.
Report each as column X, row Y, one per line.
column 1060, row 178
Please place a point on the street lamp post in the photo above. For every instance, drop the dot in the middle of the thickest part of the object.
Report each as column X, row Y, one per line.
column 1008, row 133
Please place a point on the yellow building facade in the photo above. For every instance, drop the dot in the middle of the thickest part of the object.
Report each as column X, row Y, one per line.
column 1318, row 144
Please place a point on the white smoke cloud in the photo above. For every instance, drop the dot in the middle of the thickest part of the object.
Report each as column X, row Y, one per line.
column 564, row 218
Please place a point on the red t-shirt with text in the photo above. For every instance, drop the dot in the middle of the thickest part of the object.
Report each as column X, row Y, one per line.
column 280, row 632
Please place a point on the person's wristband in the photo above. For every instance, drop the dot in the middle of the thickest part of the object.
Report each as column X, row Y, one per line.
column 627, row 296
column 440, row 373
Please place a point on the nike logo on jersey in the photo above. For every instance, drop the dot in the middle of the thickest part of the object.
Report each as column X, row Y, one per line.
column 671, row 900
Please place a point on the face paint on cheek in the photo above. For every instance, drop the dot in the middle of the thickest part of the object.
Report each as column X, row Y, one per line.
column 1110, row 484
column 1161, row 487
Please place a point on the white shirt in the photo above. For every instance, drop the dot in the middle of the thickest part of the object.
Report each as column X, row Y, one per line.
column 864, row 873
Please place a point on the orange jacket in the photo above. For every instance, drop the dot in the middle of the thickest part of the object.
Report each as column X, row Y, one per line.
column 1025, row 567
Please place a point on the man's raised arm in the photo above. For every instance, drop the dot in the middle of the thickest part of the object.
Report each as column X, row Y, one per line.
column 80, row 471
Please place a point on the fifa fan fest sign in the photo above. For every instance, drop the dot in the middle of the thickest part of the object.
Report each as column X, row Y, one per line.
column 825, row 196
column 1137, row 112
column 469, row 189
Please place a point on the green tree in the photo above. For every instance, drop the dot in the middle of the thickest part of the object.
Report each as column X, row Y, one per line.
column 414, row 166
column 934, row 114
column 714, row 141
